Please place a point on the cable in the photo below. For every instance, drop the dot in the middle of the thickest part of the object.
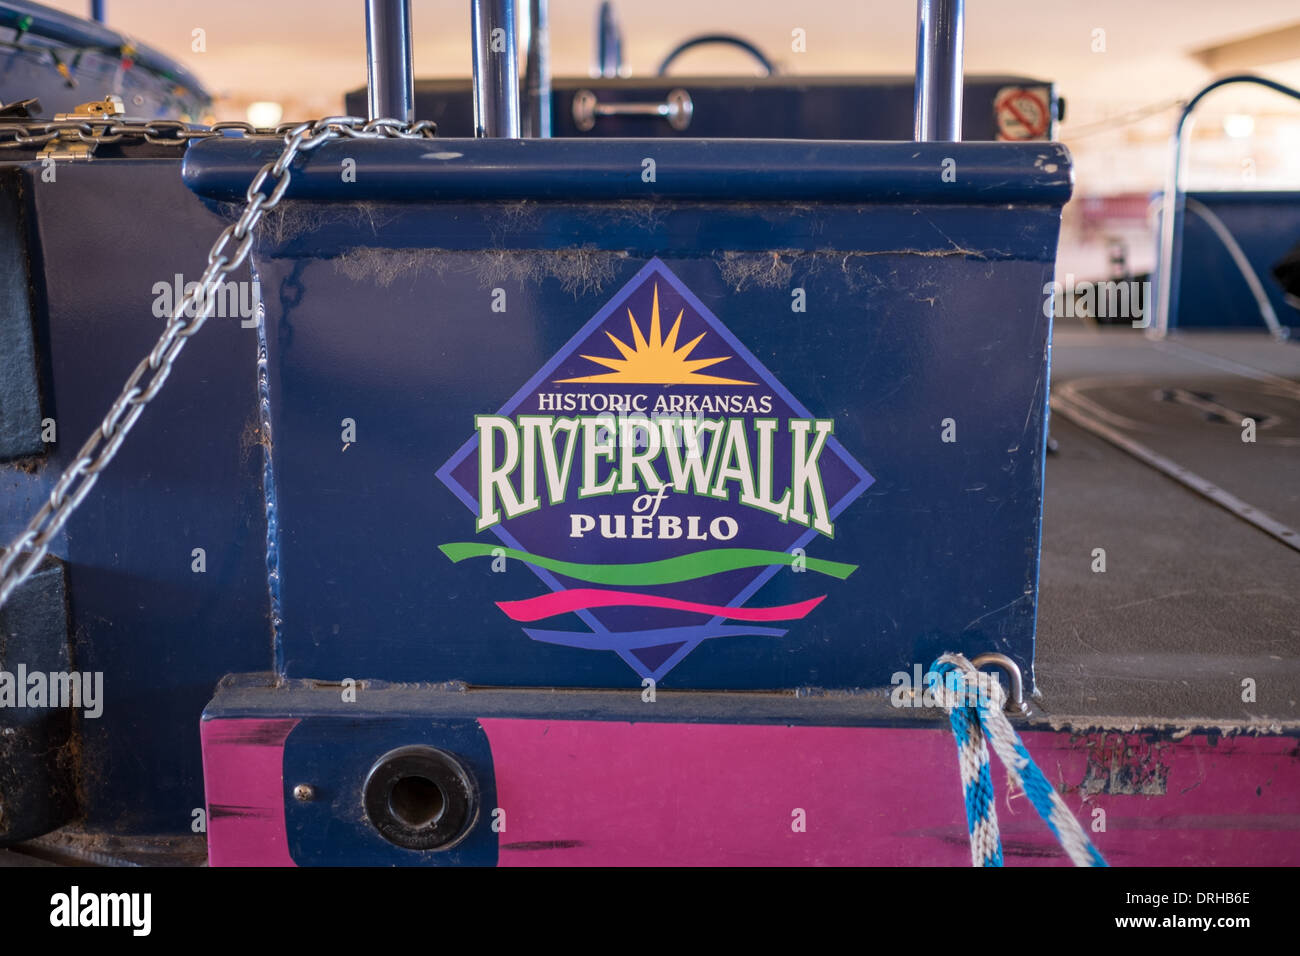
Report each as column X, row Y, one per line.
column 1243, row 266
column 1124, row 119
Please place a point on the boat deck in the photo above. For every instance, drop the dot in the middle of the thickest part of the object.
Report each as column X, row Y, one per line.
column 1195, row 598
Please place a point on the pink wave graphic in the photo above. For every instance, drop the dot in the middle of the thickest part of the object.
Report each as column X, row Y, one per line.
column 580, row 599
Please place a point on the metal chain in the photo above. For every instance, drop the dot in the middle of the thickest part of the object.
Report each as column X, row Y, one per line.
column 19, row 133
column 264, row 193
column 15, row 133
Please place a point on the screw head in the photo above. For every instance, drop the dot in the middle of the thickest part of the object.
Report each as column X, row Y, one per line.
column 304, row 793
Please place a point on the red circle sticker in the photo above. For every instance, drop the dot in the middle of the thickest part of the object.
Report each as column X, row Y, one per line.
column 1022, row 113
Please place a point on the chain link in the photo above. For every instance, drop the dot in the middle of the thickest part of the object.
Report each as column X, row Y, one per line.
column 19, row 133
column 25, row 132
column 27, row 550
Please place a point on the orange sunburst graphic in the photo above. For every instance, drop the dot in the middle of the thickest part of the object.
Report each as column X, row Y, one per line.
column 656, row 360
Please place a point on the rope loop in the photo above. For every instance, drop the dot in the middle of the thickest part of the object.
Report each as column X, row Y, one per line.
column 975, row 701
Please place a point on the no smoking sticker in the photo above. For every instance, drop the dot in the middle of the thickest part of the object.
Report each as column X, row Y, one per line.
column 1022, row 113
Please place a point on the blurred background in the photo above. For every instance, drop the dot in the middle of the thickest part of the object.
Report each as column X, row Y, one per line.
column 1121, row 67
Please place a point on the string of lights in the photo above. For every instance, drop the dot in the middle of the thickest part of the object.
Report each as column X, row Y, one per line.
column 67, row 61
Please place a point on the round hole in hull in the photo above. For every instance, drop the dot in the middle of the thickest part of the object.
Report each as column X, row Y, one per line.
column 420, row 798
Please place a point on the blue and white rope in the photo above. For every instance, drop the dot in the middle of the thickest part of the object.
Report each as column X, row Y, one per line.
column 976, row 714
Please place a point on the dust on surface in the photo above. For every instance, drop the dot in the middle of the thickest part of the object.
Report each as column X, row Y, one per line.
column 774, row 269
column 580, row 270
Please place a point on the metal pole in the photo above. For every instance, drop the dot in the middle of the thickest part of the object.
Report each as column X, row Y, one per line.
column 609, row 42
column 97, row 10
column 390, row 80
column 496, row 69
column 537, row 71
column 940, row 30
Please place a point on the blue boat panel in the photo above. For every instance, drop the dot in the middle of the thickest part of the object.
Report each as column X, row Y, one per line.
column 861, row 288
column 107, row 238
column 1211, row 289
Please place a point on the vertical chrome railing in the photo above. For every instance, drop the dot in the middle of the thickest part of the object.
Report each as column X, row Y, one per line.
column 940, row 38
column 537, row 70
column 609, row 43
column 390, row 77
column 496, row 69
column 1172, row 206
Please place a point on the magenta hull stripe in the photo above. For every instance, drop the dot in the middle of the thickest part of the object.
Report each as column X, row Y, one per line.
column 677, row 794
column 610, row 793
column 243, row 775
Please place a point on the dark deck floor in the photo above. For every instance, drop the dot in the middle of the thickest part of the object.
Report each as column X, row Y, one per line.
column 1194, row 598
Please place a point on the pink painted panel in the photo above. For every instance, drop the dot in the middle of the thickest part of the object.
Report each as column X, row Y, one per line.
column 1198, row 801
column 596, row 793
column 604, row 793
column 243, row 776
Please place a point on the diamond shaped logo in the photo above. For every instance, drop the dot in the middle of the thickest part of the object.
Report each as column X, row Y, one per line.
column 654, row 475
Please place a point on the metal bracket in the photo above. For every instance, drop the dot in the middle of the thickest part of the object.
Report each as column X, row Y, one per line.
column 20, row 109
column 71, row 143
column 677, row 109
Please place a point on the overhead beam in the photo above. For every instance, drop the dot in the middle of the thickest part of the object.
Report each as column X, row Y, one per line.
column 1248, row 53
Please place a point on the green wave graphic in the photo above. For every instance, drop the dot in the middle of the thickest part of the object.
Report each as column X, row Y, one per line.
column 685, row 567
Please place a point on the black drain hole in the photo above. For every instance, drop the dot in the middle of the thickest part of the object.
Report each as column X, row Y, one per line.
column 420, row 798
column 416, row 801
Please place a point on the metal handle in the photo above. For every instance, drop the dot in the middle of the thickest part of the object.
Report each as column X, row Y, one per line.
column 677, row 109
column 726, row 38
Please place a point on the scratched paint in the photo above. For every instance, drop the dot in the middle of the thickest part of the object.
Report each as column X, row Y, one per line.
column 1125, row 764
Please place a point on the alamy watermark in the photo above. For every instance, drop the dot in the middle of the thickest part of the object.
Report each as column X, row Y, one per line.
column 75, row 690
column 230, row 300
column 953, row 689
column 1110, row 300
column 133, row 911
